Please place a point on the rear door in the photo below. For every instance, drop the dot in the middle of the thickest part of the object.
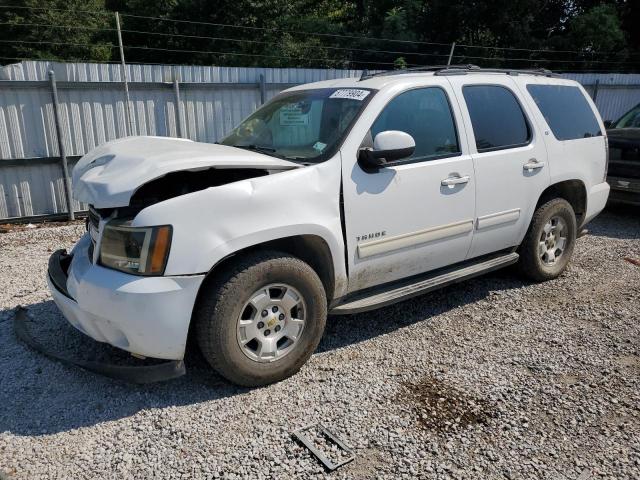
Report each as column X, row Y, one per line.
column 509, row 158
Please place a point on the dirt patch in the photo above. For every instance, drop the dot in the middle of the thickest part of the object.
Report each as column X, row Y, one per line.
column 367, row 464
column 443, row 408
column 633, row 261
column 568, row 379
column 630, row 361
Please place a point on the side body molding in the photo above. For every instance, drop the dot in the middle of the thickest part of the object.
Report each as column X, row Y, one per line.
column 389, row 244
column 494, row 219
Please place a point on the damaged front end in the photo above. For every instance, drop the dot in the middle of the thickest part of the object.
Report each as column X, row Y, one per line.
column 139, row 171
column 113, row 285
column 122, row 178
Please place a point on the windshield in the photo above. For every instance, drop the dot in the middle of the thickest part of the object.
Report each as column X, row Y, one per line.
column 306, row 125
column 631, row 119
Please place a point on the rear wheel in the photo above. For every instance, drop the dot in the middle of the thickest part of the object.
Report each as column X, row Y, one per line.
column 262, row 319
column 549, row 242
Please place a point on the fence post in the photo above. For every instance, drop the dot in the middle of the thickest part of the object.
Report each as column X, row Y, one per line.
column 61, row 148
column 176, row 91
column 263, row 89
column 128, row 129
column 595, row 90
column 453, row 47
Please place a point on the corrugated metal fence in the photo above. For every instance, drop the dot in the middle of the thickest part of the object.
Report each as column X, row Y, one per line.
column 203, row 105
column 614, row 93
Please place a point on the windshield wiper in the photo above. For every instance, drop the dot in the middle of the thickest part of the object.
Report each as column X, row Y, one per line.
column 301, row 160
column 257, row 148
column 270, row 150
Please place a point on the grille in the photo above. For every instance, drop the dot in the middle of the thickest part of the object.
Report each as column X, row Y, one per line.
column 94, row 218
column 94, row 230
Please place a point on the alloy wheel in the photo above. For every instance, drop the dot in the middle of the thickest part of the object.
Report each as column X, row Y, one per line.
column 271, row 322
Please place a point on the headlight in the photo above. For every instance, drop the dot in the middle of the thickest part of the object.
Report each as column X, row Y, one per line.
column 137, row 250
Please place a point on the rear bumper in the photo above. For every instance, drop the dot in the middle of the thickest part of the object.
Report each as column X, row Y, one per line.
column 596, row 201
column 147, row 316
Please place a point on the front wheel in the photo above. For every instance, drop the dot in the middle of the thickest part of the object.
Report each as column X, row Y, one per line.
column 262, row 319
column 549, row 242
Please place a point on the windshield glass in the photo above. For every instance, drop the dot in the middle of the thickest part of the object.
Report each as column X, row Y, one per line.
column 306, row 125
column 631, row 119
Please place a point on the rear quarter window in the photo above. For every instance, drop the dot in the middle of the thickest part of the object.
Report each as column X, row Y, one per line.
column 565, row 109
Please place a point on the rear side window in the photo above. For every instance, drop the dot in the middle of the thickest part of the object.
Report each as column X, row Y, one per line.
column 566, row 110
column 497, row 118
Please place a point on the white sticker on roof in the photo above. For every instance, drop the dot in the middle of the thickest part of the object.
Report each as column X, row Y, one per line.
column 350, row 93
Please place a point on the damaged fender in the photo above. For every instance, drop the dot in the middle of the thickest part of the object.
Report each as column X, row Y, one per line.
column 213, row 223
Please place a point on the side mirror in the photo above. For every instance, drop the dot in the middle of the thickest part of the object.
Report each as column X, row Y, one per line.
column 388, row 146
column 608, row 124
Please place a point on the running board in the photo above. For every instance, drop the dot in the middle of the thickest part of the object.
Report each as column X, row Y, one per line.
column 382, row 297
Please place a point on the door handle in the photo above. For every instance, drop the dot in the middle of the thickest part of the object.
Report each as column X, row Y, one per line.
column 532, row 165
column 455, row 180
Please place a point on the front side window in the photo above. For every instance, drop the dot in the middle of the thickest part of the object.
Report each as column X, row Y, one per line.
column 425, row 114
column 496, row 116
column 566, row 111
column 306, row 125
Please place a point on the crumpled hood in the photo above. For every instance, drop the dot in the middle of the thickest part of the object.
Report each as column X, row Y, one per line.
column 109, row 175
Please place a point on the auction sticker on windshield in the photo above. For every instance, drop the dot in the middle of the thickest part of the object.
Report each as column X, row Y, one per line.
column 350, row 93
column 293, row 115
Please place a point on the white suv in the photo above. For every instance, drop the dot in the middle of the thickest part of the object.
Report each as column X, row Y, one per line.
column 334, row 197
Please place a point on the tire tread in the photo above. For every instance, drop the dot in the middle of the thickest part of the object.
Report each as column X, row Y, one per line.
column 529, row 264
column 212, row 305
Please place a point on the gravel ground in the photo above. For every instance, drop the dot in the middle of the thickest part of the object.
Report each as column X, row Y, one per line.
column 493, row 378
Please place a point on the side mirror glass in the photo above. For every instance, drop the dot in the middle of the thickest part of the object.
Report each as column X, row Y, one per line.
column 388, row 146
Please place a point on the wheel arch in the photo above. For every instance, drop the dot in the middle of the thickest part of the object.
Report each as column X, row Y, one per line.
column 573, row 191
column 311, row 249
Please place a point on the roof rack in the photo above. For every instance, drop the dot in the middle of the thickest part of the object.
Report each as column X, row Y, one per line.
column 458, row 70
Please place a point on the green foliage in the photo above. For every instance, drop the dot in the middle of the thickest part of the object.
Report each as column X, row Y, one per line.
column 71, row 27
column 353, row 33
column 396, row 25
column 400, row 63
column 599, row 29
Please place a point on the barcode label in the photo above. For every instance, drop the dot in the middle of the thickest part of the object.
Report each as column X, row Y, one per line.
column 350, row 93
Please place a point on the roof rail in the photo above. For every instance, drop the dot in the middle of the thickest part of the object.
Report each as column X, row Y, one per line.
column 459, row 70
column 424, row 68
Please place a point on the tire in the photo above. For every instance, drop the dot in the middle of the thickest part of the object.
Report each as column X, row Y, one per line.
column 223, row 308
column 535, row 264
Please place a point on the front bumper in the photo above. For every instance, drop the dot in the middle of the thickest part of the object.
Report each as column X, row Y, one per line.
column 148, row 316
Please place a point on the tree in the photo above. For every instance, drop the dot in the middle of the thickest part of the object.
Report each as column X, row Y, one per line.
column 373, row 34
column 58, row 29
column 597, row 30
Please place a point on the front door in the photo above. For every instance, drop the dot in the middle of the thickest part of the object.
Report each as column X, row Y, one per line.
column 417, row 214
column 509, row 157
